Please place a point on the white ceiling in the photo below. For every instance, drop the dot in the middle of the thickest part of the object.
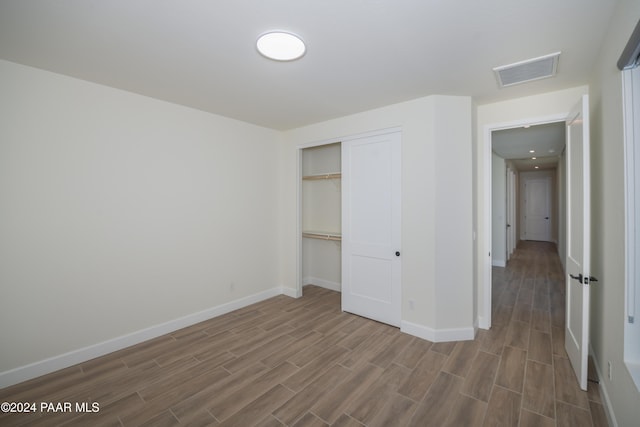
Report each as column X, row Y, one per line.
column 361, row 54
column 546, row 140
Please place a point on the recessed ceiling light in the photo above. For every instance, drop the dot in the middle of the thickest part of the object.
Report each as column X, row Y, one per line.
column 537, row 167
column 533, row 158
column 526, row 126
column 532, row 151
column 281, row 46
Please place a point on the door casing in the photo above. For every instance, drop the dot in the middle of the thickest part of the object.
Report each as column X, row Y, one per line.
column 484, row 315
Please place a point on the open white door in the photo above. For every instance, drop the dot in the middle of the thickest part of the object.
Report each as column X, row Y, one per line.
column 371, row 227
column 578, row 239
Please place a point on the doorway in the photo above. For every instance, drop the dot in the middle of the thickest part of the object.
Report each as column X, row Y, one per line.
column 537, row 153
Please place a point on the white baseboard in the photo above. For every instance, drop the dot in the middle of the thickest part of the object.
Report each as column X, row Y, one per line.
column 438, row 335
column 290, row 292
column 483, row 322
column 42, row 367
column 608, row 408
column 334, row 286
column 498, row 263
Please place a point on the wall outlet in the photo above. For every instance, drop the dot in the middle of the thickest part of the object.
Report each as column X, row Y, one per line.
column 609, row 371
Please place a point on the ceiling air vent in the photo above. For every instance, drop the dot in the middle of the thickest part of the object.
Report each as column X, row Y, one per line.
column 527, row 71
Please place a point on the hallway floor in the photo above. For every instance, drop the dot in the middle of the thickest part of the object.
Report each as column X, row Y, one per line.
column 528, row 314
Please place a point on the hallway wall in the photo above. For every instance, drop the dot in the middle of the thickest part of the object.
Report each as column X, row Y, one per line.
column 607, row 218
column 498, row 211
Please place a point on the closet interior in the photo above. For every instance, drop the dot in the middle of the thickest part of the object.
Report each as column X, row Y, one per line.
column 321, row 216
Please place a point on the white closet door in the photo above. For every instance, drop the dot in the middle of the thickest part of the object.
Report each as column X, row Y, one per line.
column 371, row 227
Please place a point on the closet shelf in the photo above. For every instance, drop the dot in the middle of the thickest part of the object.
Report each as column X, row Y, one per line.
column 322, row 235
column 336, row 175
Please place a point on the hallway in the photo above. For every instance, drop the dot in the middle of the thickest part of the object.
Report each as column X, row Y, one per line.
column 528, row 317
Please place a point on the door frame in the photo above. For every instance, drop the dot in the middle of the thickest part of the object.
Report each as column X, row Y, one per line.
column 512, row 222
column 484, row 321
column 299, row 149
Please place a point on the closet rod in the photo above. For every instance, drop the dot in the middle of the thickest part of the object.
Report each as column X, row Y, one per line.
column 323, row 176
column 323, row 236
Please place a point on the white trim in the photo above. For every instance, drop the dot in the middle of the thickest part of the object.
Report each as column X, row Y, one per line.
column 335, row 140
column 42, row 367
column 630, row 190
column 290, row 292
column 299, row 273
column 438, row 335
column 488, row 231
column 327, row 284
column 484, row 319
column 482, row 322
column 498, row 263
column 378, row 132
column 631, row 109
column 608, row 408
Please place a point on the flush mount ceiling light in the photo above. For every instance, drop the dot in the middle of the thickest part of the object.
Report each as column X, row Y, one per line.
column 281, row 46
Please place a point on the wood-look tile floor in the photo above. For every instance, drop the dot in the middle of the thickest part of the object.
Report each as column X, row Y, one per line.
column 302, row 362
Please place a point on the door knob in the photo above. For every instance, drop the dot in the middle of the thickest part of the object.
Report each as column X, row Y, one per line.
column 397, row 253
column 579, row 277
column 586, row 280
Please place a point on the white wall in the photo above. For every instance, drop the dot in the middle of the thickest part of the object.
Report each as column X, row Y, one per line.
column 505, row 113
column 498, row 211
column 436, row 206
column 120, row 212
column 607, row 217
